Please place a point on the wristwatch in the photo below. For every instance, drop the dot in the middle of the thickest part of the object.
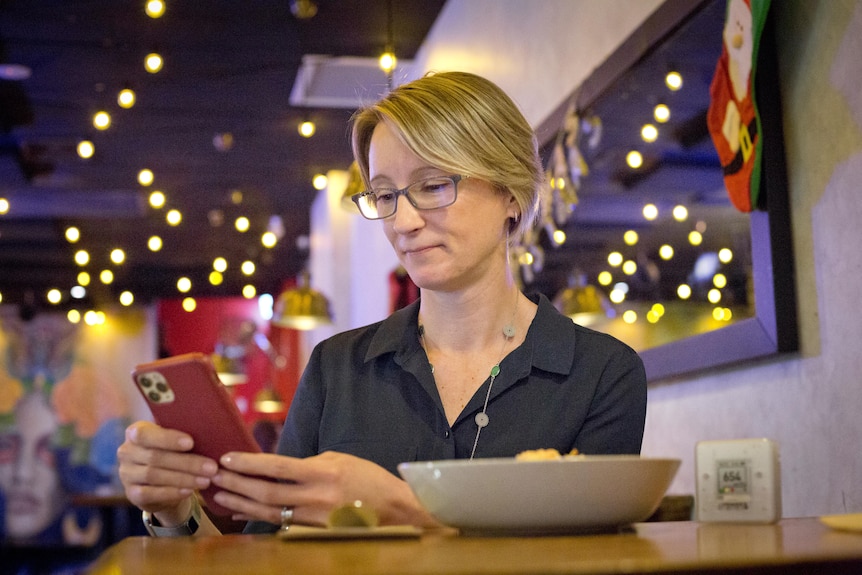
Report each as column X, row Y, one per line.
column 188, row 528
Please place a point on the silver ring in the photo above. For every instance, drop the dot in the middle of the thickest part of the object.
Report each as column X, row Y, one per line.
column 286, row 517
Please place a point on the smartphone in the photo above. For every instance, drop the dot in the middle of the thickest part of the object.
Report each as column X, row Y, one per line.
column 184, row 392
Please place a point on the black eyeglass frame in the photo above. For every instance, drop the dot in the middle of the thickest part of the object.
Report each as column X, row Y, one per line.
column 455, row 178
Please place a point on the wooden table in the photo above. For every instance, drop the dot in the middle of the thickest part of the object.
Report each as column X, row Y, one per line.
column 791, row 546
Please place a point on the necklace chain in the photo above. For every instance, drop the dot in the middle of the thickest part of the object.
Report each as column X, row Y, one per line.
column 482, row 419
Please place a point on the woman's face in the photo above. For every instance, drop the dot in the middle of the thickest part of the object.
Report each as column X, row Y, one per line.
column 444, row 249
column 28, row 473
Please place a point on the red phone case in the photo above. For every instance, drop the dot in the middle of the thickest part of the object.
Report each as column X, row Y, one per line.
column 184, row 393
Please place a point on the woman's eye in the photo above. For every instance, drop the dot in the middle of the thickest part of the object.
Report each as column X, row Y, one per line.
column 384, row 196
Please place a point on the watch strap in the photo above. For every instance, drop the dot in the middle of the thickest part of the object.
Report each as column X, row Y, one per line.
column 189, row 527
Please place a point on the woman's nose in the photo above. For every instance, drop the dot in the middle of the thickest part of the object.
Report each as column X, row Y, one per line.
column 406, row 218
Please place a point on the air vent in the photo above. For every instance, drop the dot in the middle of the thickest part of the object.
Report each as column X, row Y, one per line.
column 341, row 82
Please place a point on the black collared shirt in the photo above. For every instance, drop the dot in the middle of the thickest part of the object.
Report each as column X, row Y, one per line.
column 369, row 392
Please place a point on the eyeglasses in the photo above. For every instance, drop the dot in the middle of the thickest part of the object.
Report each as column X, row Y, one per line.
column 428, row 194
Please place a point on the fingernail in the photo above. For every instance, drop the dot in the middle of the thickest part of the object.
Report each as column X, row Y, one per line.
column 202, row 482
column 217, row 478
column 185, row 443
column 226, row 459
column 209, row 468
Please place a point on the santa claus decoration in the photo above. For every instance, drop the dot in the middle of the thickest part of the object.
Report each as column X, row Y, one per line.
column 733, row 117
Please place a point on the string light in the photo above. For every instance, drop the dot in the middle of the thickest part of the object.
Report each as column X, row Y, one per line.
column 153, row 63
column 126, row 98
column 307, row 128
column 85, row 149
column 102, row 120
column 673, row 80
column 155, row 8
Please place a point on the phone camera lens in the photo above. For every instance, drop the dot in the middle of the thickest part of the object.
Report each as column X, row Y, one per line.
column 145, row 382
column 154, row 397
column 162, row 387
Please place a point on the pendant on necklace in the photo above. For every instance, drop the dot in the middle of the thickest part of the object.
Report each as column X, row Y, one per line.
column 509, row 331
column 481, row 419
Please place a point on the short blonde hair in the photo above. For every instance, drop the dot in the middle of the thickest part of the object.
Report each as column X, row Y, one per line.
column 465, row 124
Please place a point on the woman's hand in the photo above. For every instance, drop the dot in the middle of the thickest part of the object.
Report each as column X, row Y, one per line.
column 158, row 474
column 313, row 487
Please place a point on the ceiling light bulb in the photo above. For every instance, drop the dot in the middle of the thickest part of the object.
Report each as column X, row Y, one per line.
column 680, row 213
column 189, row 304
column 157, row 199
column 54, row 296
column 725, row 255
column 74, row 316
column 83, row 279
column 615, row 259
column 4, row 206
column 695, row 238
column 650, row 212
column 126, row 98
column 118, row 256
column 78, row 292
column 216, row 278
column 630, row 316
column 683, row 291
column 247, row 267
column 634, row 159
column 82, row 258
column 102, row 120
column 649, row 133
column 184, row 284
column 106, row 277
column 153, row 63
column 630, row 237
column 661, row 113
column 268, row 239
column 174, row 217
column 154, row 243
column 73, row 234
column 673, row 80
column 155, row 8
column 85, row 149
column 145, row 177
column 307, row 129
column 665, row 252
column 242, row 224
column 319, row 182
column 605, row 278
column 127, row 298
column 220, row 264
column 248, row 291
column 388, row 61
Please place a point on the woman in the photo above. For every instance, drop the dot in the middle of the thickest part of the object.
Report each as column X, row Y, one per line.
column 473, row 369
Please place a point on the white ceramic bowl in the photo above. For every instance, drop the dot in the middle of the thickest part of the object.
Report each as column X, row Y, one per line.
column 573, row 494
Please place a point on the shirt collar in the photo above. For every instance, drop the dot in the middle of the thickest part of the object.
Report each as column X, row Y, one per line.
column 399, row 334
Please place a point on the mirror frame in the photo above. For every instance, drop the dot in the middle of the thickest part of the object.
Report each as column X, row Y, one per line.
column 773, row 328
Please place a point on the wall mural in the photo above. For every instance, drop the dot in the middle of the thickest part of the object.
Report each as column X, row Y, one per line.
column 61, row 422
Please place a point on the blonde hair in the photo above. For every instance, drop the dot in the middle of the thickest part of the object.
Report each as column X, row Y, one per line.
column 465, row 124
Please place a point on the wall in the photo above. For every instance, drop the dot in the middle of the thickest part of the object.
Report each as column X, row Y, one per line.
column 65, row 399
column 809, row 403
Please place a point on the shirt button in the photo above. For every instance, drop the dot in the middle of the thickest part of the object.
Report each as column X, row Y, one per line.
column 446, row 434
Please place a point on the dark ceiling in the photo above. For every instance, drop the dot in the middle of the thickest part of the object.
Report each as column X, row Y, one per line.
column 229, row 68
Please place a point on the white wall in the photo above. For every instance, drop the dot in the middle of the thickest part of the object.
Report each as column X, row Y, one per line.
column 540, row 50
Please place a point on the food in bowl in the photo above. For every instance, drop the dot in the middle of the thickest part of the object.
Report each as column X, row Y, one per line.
column 542, row 454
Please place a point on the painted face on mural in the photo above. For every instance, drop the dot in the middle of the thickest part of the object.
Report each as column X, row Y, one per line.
column 28, row 473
